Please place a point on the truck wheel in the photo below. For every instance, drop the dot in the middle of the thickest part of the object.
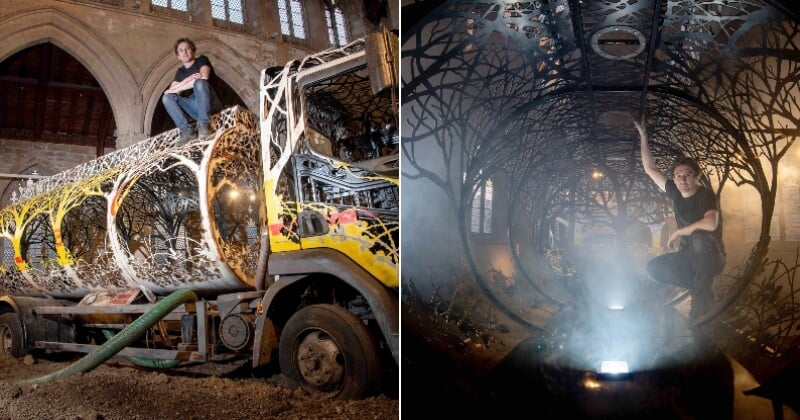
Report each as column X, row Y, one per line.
column 327, row 349
column 11, row 335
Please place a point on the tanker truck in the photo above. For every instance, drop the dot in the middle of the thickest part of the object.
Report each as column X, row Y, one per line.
column 278, row 231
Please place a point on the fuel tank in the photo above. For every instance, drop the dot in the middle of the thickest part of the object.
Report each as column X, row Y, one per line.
column 152, row 216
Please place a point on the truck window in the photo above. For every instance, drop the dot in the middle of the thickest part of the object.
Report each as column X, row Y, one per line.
column 346, row 121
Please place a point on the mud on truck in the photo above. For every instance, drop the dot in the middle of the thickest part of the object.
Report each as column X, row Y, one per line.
column 274, row 239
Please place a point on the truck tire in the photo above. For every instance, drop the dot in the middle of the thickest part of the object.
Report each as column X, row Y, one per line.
column 11, row 340
column 326, row 349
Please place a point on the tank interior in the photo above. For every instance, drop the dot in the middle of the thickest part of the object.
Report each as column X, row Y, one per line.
column 530, row 220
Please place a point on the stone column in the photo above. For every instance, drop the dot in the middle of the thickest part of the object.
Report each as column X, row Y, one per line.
column 316, row 28
column 200, row 12
column 394, row 14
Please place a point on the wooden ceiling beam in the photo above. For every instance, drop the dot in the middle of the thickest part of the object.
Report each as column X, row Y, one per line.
column 48, row 96
column 48, row 137
column 5, row 94
column 106, row 118
column 73, row 106
column 40, row 108
column 27, row 81
column 87, row 120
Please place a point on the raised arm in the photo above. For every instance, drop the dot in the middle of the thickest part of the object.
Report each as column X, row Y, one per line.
column 647, row 158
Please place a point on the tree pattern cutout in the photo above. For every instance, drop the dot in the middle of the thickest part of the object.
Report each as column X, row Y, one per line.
column 514, row 90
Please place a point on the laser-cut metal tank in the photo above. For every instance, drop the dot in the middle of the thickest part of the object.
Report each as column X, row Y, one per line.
column 149, row 217
column 284, row 224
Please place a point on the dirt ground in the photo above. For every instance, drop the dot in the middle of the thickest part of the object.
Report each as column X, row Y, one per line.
column 121, row 390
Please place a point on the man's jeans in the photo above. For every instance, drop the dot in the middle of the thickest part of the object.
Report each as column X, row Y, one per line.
column 197, row 105
column 693, row 268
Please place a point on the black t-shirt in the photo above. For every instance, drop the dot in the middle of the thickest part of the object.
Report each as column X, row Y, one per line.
column 691, row 209
column 184, row 72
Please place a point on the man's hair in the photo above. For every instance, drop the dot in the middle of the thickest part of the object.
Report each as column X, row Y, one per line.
column 687, row 161
column 186, row 40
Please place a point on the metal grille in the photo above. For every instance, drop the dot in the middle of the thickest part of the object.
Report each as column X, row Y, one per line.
column 235, row 14
column 290, row 13
column 283, row 14
column 337, row 28
column 180, row 5
column 218, row 9
column 298, row 23
column 229, row 10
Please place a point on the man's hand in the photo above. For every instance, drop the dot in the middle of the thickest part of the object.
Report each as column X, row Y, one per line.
column 674, row 241
column 192, row 77
column 640, row 128
column 184, row 84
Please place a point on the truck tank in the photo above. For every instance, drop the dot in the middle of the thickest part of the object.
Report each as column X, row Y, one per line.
column 151, row 216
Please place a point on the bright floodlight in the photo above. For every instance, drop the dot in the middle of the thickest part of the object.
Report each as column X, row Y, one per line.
column 614, row 367
column 616, row 307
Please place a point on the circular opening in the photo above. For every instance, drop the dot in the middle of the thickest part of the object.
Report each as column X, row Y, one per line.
column 618, row 42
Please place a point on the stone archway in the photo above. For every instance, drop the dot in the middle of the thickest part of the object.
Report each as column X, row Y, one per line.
column 106, row 65
column 241, row 75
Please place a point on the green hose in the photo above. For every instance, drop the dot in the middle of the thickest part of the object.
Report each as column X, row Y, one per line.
column 146, row 361
column 118, row 342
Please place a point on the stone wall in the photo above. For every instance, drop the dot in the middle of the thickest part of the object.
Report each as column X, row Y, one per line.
column 127, row 45
column 45, row 158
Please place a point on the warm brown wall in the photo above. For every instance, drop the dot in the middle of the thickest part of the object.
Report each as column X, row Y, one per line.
column 47, row 158
column 129, row 49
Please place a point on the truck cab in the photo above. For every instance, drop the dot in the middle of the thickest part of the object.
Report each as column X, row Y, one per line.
column 274, row 238
column 330, row 138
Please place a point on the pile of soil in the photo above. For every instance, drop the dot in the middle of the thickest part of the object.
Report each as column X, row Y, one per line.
column 121, row 390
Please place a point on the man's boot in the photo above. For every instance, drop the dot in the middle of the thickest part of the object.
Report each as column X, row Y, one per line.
column 203, row 129
column 186, row 135
column 702, row 302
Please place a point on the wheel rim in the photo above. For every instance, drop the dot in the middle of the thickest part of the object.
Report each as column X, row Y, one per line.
column 319, row 361
column 6, row 340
